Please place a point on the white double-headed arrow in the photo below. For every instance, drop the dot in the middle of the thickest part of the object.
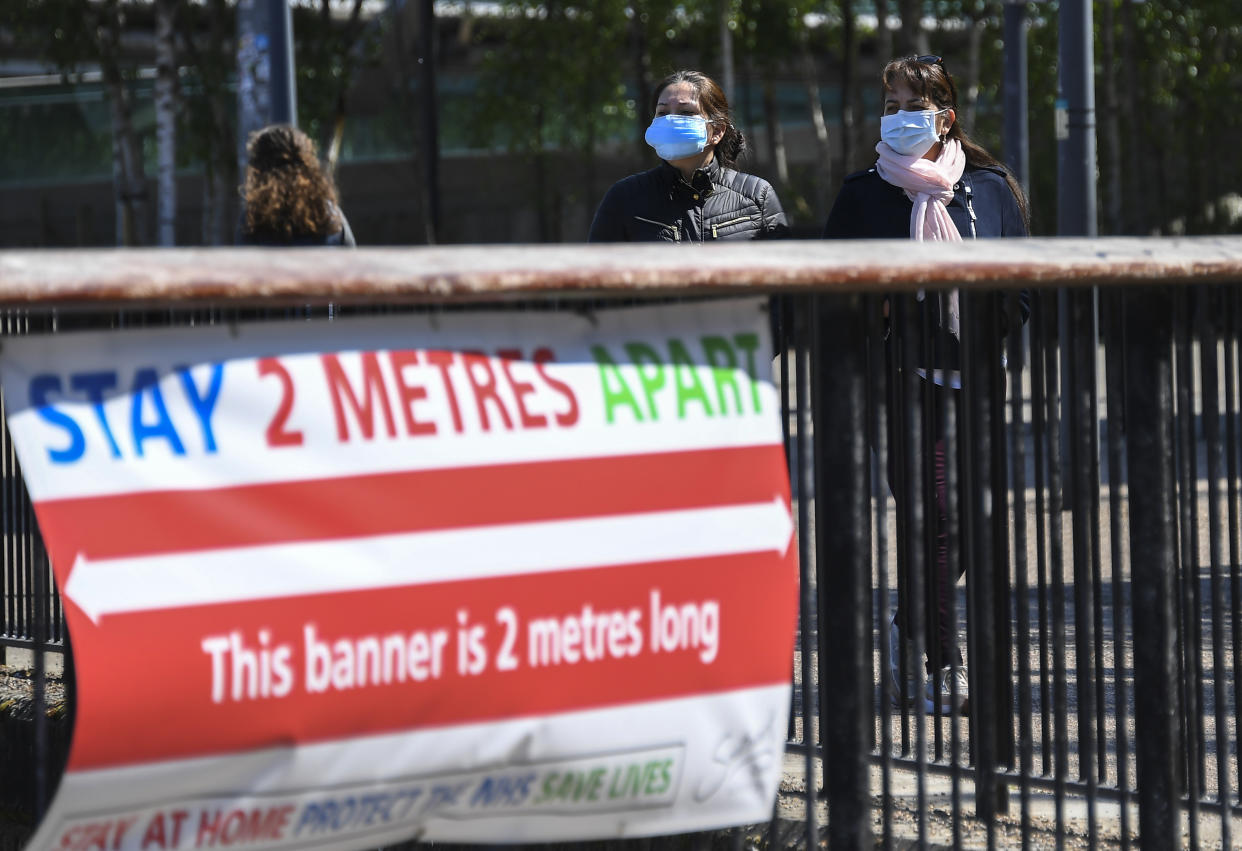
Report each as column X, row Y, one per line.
column 205, row 577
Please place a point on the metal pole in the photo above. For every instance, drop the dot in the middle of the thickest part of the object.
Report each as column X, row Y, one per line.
column 1075, row 130
column 1149, row 404
column 1017, row 133
column 1076, row 201
column 284, row 97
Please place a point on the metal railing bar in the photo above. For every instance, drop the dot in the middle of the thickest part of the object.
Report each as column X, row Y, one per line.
column 915, row 510
column 806, row 596
column 949, row 414
column 1153, row 547
column 878, row 406
column 1230, row 314
column 1056, row 569
column 1191, row 674
column 1017, row 450
column 1114, row 380
column 1085, row 478
column 843, row 553
column 255, row 278
column 1209, row 393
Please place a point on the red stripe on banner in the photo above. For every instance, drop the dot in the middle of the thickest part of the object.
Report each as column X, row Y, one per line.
column 147, row 523
column 145, row 680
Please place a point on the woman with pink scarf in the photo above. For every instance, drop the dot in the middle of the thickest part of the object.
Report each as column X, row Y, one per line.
column 930, row 182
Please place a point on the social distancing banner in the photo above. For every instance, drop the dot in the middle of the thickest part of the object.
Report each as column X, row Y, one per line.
column 505, row 576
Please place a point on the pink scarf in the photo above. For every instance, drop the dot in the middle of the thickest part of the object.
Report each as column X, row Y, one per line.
column 929, row 184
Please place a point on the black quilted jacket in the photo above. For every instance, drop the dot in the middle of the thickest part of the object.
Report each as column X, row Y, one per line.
column 660, row 206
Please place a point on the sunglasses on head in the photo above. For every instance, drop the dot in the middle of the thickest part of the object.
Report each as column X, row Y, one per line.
column 930, row 59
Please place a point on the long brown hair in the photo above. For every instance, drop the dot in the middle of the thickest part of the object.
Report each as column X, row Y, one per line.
column 928, row 78
column 287, row 194
column 715, row 106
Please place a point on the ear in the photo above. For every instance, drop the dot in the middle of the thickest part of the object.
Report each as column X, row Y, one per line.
column 948, row 119
column 715, row 132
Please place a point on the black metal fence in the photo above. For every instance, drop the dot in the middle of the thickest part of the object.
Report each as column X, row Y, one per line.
column 1061, row 432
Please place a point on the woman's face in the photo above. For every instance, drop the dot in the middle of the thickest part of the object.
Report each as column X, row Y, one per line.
column 901, row 96
column 682, row 99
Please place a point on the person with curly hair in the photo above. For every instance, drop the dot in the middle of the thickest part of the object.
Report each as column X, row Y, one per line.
column 287, row 198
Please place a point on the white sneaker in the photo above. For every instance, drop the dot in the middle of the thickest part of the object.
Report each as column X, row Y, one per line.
column 946, row 683
column 938, row 689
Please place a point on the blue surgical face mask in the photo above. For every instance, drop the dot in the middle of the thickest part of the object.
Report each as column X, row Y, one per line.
column 677, row 136
column 910, row 133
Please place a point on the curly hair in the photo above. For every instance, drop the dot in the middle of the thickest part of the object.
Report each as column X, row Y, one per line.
column 287, row 195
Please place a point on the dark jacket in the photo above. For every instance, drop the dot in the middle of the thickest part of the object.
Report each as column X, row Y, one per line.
column 660, row 206
column 983, row 206
column 869, row 207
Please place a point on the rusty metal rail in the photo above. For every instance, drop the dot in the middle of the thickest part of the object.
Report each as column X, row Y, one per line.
column 167, row 278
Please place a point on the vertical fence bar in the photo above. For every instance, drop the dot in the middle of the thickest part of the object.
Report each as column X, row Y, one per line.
column 879, row 412
column 949, row 419
column 1054, row 354
column 978, row 344
column 1149, row 440
column 1210, row 389
column 1039, row 439
column 842, row 544
column 911, row 565
column 1022, row 603
column 1085, row 483
column 806, row 611
column 1114, row 342
column 42, row 749
column 1231, row 460
column 999, row 563
column 780, row 341
column 8, row 569
column 1187, row 466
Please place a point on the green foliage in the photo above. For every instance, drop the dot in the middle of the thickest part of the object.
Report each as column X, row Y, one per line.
column 558, row 80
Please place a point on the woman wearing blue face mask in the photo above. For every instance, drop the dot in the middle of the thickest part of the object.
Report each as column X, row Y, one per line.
column 929, row 173
column 930, row 182
column 696, row 194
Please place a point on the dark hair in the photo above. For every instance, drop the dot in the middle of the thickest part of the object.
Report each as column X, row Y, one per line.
column 927, row 77
column 715, row 106
column 287, row 194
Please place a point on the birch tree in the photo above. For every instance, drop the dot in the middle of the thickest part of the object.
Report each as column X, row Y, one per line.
column 166, row 121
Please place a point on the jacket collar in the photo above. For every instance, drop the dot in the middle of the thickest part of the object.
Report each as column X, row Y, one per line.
column 702, row 182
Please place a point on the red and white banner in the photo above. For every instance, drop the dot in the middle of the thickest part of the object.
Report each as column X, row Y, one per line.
column 464, row 576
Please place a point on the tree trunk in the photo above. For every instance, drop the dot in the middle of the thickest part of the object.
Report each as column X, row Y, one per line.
column 850, row 78
column 911, row 25
column 166, row 122
column 968, row 90
column 642, row 77
column 823, row 150
column 728, row 73
column 129, row 180
column 776, row 135
column 883, row 35
column 1136, row 205
column 254, row 78
column 1107, row 116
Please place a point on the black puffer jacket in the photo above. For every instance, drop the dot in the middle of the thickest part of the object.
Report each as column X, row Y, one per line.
column 660, row 206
